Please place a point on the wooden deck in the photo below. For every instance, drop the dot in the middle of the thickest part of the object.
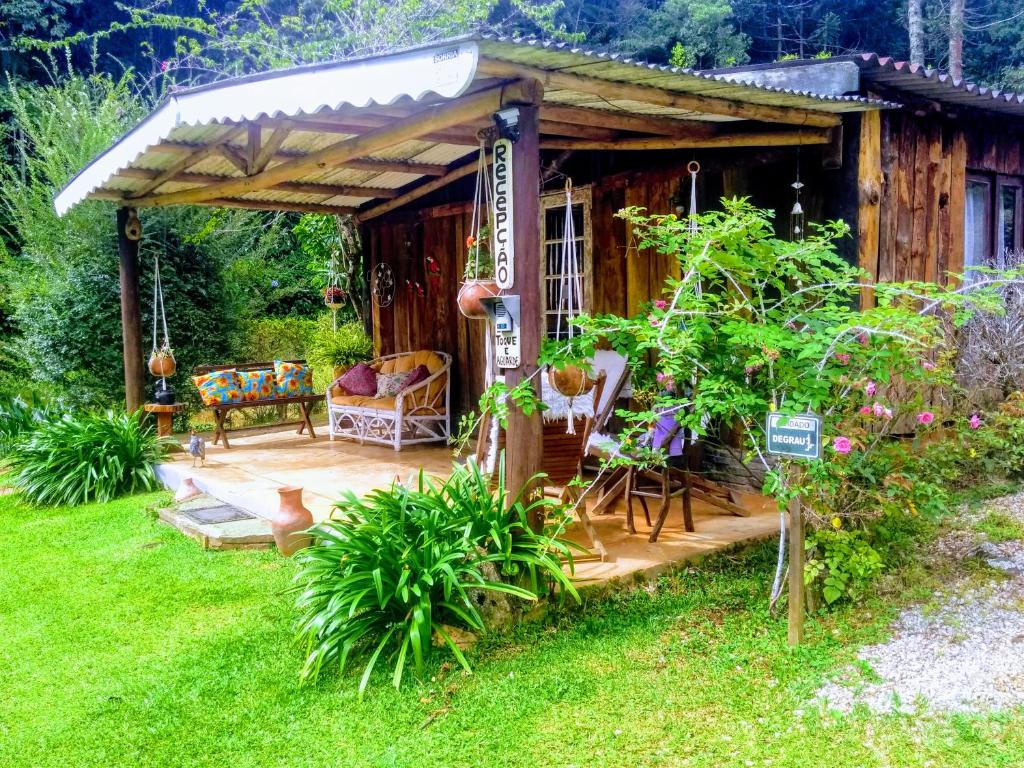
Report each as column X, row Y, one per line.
column 249, row 474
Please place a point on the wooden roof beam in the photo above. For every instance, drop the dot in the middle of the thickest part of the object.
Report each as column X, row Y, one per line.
column 725, row 141
column 328, row 190
column 359, row 164
column 423, row 189
column 195, row 156
column 623, row 121
column 613, row 90
column 436, row 118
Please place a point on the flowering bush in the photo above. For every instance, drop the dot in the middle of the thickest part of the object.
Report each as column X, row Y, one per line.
column 756, row 324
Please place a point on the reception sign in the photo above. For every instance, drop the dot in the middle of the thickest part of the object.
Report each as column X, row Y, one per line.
column 504, row 244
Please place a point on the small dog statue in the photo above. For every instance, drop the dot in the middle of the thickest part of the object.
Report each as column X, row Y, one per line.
column 197, row 449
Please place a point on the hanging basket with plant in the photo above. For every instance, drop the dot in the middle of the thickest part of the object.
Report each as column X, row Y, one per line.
column 162, row 363
column 334, row 297
column 478, row 279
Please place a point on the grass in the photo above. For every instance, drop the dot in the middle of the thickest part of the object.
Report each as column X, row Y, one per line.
column 1000, row 526
column 124, row 644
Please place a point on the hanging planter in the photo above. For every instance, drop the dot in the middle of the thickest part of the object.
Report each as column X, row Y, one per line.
column 162, row 363
column 571, row 381
column 334, row 297
column 478, row 279
column 470, row 293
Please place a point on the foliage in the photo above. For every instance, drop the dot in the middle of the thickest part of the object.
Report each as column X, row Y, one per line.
column 844, row 561
column 79, row 458
column 479, row 258
column 335, row 258
column 329, row 348
column 277, row 338
column 18, row 417
column 390, row 571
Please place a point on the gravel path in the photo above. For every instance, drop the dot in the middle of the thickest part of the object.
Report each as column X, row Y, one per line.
column 962, row 652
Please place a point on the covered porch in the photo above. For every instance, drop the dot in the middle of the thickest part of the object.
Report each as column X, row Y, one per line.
column 249, row 474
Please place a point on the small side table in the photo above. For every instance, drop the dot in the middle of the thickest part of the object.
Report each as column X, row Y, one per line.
column 164, row 416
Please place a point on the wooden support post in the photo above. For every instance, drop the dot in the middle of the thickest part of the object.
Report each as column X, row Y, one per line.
column 869, row 198
column 524, row 444
column 796, row 570
column 131, row 315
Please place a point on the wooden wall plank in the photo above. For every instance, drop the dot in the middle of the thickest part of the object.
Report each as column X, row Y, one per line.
column 869, row 197
column 957, row 202
column 638, row 261
column 887, row 218
column 609, row 249
column 931, row 272
column 904, row 200
column 943, row 189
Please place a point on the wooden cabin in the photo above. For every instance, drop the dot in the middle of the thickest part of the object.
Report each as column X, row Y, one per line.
column 927, row 172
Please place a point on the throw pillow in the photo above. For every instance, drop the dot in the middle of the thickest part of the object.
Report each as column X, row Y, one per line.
column 415, row 376
column 360, row 379
column 218, row 387
column 390, row 384
column 293, row 379
column 256, row 385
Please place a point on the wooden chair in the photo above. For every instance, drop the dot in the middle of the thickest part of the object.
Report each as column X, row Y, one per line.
column 668, row 482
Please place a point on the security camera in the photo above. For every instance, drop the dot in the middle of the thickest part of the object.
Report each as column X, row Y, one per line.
column 507, row 121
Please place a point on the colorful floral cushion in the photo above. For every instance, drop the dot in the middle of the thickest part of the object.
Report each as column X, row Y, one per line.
column 293, row 379
column 360, row 379
column 218, row 387
column 390, row 384
column 256, row 385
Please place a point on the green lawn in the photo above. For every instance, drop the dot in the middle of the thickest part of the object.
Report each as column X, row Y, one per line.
column 124, row 644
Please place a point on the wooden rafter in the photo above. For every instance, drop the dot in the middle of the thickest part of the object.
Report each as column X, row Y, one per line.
column 356, row 125
column 269, row 148
column 234, row 157
column 194, row 157
column 623, row 121
column 359, row 163
column 437, row 118
column 328, row 190
column 755, row 139
column 274, row 205
column 423, row 189
column 612, row 90
column 252, row 145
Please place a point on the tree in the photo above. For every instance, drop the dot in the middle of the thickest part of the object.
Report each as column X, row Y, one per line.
column 915, row 28
column 956, row 39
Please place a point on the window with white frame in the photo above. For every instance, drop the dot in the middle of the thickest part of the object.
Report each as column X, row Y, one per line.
column 552, row 214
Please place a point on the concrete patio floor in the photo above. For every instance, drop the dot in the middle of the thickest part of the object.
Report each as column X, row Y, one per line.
column 249, row 473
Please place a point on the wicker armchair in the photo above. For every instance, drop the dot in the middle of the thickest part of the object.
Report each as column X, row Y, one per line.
column 418, row 414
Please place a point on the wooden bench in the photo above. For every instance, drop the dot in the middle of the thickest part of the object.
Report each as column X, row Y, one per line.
column 221, row 411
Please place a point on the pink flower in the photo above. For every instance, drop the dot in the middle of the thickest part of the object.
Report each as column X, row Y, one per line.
column 843, row 358
column 655, row 322
column 975, row 421
column 841, row 445
column 925, row 417
column 887, row 413
column 163, row 66
column 878, row 409
column 869, row 388
column 928, row 365
column 661, row 304
column 865, row 410
column 864, row 339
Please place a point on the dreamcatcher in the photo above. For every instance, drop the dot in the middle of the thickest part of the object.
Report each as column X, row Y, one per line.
column 382, row 285
column 572, row 381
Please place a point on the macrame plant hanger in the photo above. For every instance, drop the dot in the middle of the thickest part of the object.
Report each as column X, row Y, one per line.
column 570, row 288
column 158, row 309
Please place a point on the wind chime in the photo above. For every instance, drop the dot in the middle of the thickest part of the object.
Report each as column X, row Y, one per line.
column 572, row 380
column 161, row 359
column 796, row 216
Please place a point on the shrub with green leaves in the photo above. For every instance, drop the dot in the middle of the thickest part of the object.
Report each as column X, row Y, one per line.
column 392, row 570
column 330, row 348
column 86, row 457
column 18, row 418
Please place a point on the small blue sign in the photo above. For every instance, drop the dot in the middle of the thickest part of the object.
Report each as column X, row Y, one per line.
column 796, row 435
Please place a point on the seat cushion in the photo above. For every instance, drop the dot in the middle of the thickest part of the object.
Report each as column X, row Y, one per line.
column 218, row 387
column 407, row 362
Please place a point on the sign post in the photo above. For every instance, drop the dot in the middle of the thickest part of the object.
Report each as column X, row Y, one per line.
column 799, row 437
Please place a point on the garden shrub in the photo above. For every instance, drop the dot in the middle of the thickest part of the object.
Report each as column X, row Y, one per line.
column 85, row 457
column 18, row 418
column 391, row 571
column 277, row 338
column 345, row 346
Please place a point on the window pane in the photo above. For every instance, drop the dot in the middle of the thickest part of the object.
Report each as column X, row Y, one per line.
column 976, row 226
column 1008, row 224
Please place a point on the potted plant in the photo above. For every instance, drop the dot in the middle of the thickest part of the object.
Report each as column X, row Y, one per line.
column 334, row 296
column 478, row 279
column 161, row 362
column 334, row 350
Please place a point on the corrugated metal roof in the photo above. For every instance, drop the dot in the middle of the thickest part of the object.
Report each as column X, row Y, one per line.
column 937, row 85
column 192, row 118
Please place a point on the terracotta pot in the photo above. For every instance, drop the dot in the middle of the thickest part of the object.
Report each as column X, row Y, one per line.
column 470, row 294
column 571, row 381
column 162, row 364
column 291, row 520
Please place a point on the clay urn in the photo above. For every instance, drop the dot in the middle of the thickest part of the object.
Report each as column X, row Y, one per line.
column 291, row 521
column 162, row 364
column 571, row 381
column 470, row 294
column 187, row 489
